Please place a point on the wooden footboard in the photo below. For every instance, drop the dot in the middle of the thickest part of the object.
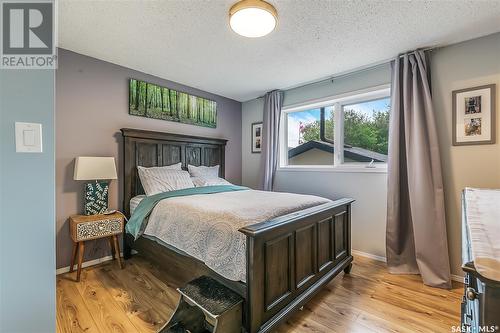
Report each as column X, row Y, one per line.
column 291, row 257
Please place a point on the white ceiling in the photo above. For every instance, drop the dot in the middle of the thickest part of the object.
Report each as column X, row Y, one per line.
column 190, row 42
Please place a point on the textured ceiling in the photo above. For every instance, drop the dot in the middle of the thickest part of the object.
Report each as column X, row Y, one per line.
column 189, row 41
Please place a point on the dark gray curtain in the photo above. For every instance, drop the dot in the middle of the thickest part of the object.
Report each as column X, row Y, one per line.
column 273, row 102
column 416, row 227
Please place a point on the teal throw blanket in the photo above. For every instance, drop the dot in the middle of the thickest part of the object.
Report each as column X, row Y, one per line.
column 136, row 225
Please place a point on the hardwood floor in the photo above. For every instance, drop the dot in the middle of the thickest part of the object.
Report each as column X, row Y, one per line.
column 368, row 300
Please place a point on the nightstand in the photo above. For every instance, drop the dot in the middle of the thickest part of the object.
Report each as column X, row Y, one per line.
column 89, row 227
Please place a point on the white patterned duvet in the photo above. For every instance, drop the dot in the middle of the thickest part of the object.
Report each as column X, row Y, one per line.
column 205, row 226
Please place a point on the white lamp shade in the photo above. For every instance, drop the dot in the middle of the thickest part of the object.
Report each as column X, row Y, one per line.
column 94, row 168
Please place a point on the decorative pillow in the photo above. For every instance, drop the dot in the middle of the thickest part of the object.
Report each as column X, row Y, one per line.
column 160, row 179
column 209, row 181
column 204, row 171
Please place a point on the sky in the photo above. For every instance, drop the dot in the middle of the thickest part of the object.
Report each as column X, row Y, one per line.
column 368, row 107
column 309, row 116
column 294, row 120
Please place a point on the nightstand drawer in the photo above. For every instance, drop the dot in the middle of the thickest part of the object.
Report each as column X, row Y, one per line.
column 96, row 226
column 98, row 229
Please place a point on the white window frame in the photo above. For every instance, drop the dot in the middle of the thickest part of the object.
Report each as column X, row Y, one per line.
column 338, row 102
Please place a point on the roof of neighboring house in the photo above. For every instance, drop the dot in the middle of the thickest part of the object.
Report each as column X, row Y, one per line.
column 354, row 153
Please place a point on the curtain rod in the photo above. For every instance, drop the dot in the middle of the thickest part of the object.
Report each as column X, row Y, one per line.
column 355, row 70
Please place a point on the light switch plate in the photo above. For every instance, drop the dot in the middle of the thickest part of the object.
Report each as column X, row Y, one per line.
column 28, row 138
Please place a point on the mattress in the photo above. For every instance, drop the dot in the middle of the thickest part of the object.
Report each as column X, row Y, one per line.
column 205, row 226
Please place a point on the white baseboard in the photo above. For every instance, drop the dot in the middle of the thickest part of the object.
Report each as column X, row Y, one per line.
column 85, row 264
column 454, row 277
column 97, row 261
column 369, row 255
column 94, row 262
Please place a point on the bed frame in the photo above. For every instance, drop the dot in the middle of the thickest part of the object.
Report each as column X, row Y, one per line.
column 289, row 258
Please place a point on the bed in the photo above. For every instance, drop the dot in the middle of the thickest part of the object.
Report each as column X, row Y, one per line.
column 288, row 258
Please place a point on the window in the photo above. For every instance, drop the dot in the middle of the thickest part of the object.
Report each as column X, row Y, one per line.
column 366, row 131
column 350, row 130
column 310, row 139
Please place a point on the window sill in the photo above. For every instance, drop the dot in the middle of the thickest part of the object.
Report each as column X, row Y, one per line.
column 345, row 168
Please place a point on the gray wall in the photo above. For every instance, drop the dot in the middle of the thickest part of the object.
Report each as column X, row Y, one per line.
column 27, row 238
column 369, row 189
column 463, row 65
column 92, row 106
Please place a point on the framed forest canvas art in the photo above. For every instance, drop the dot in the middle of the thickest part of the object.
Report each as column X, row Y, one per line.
column 152, row 101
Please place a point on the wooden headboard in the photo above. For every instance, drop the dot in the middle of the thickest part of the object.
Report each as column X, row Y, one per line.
column 148, row 148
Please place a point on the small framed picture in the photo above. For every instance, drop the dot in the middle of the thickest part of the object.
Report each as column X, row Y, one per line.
column 256, row 137
column 474, row 115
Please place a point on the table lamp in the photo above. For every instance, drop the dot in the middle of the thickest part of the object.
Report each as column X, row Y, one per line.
column 100, row 170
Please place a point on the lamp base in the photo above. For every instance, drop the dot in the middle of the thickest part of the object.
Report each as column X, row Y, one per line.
column 96, row 197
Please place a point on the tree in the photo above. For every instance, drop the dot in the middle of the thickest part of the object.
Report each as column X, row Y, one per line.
column 311, row 131
column 381, row 125
column 166, row 102
column 146, row 99
column 173, row 104
column 359, row 131
column 370, row 133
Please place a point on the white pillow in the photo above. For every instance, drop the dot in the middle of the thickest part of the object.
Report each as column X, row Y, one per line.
column 160, row 179
column 204, row 171
column 209, row 181
column 176, row 166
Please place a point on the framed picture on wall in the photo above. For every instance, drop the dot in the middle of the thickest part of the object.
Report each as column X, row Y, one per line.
column 153, row 101
column 256, row 137
column 474, row 115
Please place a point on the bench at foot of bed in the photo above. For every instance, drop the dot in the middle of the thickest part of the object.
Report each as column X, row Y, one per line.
column 206, row 306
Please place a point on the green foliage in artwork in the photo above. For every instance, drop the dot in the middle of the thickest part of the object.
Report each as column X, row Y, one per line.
column 152, row 101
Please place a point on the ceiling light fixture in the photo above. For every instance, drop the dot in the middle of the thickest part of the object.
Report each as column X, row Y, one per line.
column 253, row 18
